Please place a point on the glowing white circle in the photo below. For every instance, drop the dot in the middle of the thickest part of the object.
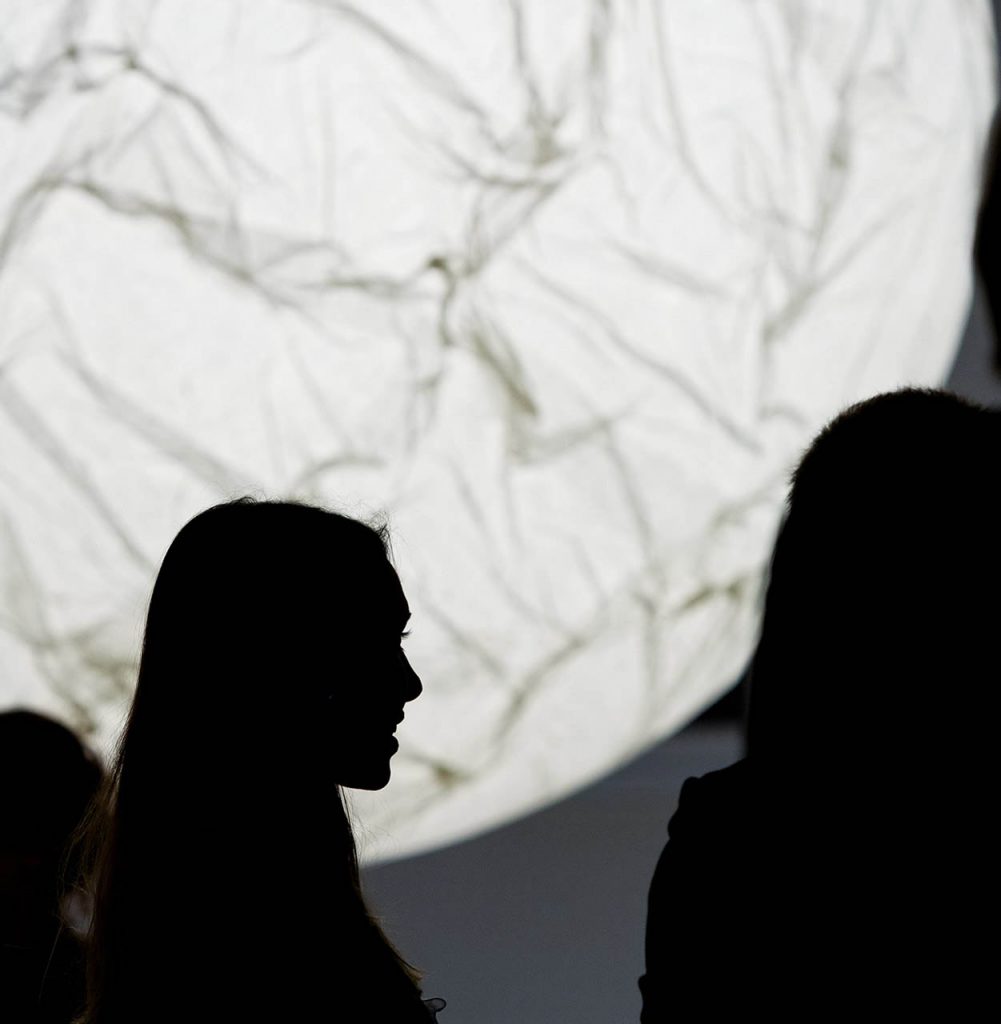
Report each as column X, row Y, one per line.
column 565, row 287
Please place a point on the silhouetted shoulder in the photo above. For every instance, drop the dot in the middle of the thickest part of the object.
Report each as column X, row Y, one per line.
column 719, row 801
column 722, row 787
column 698, row 875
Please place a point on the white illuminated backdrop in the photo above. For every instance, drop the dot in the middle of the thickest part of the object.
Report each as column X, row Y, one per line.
column 564, row 286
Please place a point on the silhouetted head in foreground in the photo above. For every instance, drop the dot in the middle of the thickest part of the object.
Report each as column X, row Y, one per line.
column 879, row 616
column 848, row 860
column 47, row 779
column 272, row 673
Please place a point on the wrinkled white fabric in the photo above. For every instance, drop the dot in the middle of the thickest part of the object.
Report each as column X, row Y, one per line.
column 564, row 287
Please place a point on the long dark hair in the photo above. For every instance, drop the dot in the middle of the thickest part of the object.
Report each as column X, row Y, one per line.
column 224, row 868
column 873, row 608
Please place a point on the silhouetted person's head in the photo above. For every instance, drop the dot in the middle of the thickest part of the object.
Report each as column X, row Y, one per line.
column 876, row 615
column 273, row 640
column 47, row 780
column 271, row 674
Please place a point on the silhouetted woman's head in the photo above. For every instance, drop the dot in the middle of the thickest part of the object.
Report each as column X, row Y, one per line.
column 275, row 627
column 875, row 599
column 271, row 674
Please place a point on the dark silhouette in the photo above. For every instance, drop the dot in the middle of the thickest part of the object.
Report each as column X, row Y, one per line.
column 226, row 878
column 47, row 779
column 843, row 866
column 987, row 238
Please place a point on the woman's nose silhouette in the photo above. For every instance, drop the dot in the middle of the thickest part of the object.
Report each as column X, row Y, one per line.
column 412, row 687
